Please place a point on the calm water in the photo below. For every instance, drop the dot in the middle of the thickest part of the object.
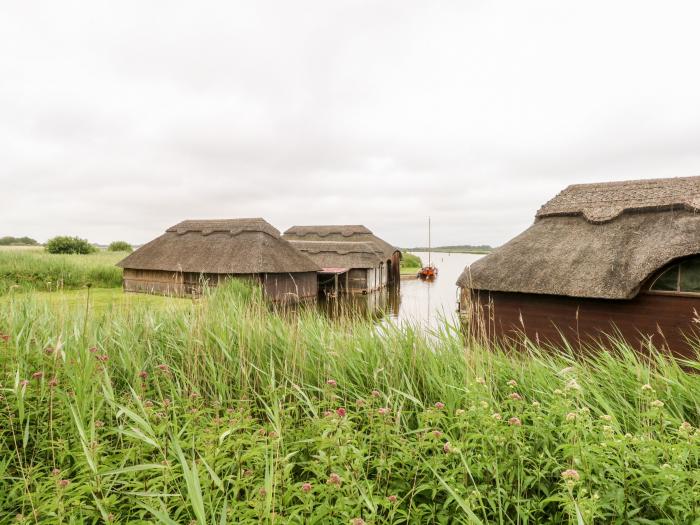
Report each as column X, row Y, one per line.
column 424, row 302
column 419, row 302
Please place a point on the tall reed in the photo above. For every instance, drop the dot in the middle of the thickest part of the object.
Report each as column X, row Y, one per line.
column 224, row 411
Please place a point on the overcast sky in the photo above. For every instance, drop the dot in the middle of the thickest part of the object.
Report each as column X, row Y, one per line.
column 119, row 119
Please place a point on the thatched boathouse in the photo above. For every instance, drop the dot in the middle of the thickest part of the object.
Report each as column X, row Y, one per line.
column 196, row 252
column 346, row 267
column 388, row 273
column 618, row 259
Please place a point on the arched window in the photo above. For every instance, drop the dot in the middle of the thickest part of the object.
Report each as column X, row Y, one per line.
column 682, row 277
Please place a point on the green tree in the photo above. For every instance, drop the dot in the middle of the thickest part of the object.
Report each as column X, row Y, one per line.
column 65, row 244
column 120, row 246
column 17, row 241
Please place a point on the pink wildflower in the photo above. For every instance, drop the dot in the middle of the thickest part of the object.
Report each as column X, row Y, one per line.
column 24, row 382
column 447, row 448
column 515, row 396
column 360, row 402
column 376, row 393
column 357, row 521
column 512, row 383
column 334, row 479
column 48, row 350
column 437, row 433
column 306, row 487
column 515, row 421
column 53, row 382
column 332, row 382
column 163, row 368
column 327, row 413
column 439, row 405
column 56, row 472
column 393, row 498
column 340, row 411
column 571, row 475
column 99, row 424
column 37, row 375
column 5, row 337
column 143, row 374
column 92, row 349
column 64, row 483
column 383, row 411
column 496, row 416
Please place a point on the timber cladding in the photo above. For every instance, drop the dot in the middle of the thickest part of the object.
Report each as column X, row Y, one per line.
column 665, row 321
column 278, row 287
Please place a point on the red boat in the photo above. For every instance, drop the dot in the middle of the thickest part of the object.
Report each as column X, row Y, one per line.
column 428, row 272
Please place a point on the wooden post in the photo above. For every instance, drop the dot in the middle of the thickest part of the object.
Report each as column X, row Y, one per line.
column 335, row 279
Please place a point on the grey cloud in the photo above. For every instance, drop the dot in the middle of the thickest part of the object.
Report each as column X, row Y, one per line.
column 118, row 120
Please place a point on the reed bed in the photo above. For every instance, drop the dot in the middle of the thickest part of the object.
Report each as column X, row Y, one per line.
column 24, row 270
column 223, row 411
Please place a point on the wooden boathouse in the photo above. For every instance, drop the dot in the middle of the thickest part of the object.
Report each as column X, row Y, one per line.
column 388, row 272
column 346, row 267
column 601, row 261
column 195, row 252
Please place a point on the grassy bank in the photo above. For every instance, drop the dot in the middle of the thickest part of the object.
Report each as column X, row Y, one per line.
column 219, row 411
column 34, row 269
column 410, row 263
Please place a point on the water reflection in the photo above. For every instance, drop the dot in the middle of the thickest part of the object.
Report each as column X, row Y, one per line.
column 418, row 302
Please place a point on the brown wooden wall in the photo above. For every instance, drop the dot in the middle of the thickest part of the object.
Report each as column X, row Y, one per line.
column 665, row 320
column 278, row 287
column 290, row 287
column 395, row 269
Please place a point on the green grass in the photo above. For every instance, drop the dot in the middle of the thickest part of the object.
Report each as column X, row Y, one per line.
column 221, row 411
column 410, row 263
column 96, row 299
column 33, row 269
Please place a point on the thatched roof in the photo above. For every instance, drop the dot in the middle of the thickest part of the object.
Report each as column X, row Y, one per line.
column 604, row 202
column 342, row 233
column 231, row 246
column 339, row 254
column 582, row 247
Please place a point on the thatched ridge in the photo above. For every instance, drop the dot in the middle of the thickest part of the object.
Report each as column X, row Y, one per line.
column 604, row 202
column 569, row 251
column 341, row 233
column 339, row 254
column 231, row 246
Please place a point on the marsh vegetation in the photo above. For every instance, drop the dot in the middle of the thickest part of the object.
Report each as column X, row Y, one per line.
column 221, row 410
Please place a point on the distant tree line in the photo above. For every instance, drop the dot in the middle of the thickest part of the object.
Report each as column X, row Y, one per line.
column 17, row 241
column 461, row 248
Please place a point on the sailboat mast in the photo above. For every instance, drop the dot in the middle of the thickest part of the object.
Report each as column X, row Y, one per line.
column 429, row 245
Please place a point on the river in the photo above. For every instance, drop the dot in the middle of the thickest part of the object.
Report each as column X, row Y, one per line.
column 426, row 302
column 420, row 303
